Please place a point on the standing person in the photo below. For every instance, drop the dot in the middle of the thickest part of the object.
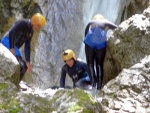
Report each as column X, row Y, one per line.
column 21, row 32
column 76, row 69
column 95, row 47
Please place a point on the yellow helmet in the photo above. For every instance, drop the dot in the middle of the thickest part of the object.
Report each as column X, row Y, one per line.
column 68, row 54
column 38, row 19
column 98, row 16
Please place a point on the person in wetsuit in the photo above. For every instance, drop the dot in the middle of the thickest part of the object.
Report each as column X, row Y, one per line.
column 76, row 69
column 21, row 32
column 95, row 47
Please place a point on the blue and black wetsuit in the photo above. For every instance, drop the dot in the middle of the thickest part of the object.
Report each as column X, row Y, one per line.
column 20, row 33
column 95, row 48
column 78, row 74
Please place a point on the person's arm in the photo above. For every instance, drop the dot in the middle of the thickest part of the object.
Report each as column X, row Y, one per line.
column 84, row 66
column 87, row 29
column 12, row 38
column 85, row 74
column 63, row 77
column 12, row 50
column 27, row 48
column 14, row 34
column 27, row 54
column 111, row 25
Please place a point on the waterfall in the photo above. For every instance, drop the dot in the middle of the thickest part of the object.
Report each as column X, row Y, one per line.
column 66, row 21
column 108, row 8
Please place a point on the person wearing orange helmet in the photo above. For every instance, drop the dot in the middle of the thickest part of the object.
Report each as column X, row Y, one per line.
column 21, row 33
column 76, row 69
column 95, row 47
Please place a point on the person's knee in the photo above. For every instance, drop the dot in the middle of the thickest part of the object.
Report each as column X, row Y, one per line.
column 22, row 63
column 78, row 84
column 23, row 66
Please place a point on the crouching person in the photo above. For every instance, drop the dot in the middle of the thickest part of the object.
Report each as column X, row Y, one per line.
column 21, row 34
column 76, row 69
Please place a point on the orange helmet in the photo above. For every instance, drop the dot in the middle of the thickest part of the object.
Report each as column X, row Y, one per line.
column 68, row 54
column 98, row 16
column 38, row 19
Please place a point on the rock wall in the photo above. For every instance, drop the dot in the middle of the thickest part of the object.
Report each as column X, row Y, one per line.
column 131, row 7
column 64, row 29
column 14, row 10
column 129, row 92
column 128, row 44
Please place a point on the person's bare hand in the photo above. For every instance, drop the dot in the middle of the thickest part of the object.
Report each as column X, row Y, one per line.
column 29, row 68
column 12, row 51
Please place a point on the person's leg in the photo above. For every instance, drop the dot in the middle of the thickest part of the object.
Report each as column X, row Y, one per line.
column 90, row 54
column 100, row 56
column 5, row 42
column 83, row 83
column 23, row 66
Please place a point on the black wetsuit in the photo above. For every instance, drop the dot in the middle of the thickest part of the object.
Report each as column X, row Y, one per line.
column 20, row 33
column 77, row 72
column 95, row 48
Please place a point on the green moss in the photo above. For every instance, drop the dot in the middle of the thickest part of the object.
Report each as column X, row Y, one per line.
column 84, row 97
column 3, row 86
column 3, row 106
column 88, row 111
column 11, row 105
column 39, row 109
column 4, row 94
column 14, row 106
column 10, row 22
column 74, row 108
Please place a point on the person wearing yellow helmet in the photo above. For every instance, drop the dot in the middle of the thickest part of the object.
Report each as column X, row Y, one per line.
column 76, row 69
column 38, row 20
column 21, row 32
column 95, row 47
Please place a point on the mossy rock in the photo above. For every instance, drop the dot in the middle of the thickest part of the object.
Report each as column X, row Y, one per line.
column 75, row 100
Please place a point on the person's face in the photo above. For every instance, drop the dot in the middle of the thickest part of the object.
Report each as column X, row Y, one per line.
column 70, row 62
column 37, row 27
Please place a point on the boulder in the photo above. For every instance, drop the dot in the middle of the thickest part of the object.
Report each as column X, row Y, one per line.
column 128, row 44
column 129, row 91
column 10, row 69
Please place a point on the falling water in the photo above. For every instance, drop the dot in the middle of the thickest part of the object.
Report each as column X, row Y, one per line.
column 108, row 8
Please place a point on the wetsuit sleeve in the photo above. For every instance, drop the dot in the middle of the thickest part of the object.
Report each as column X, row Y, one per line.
column 13, row 33
column 12, row 37
column 87, row 29
column 111, row 25
column 63, row 77
column 27, row 49
column 84, row 66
